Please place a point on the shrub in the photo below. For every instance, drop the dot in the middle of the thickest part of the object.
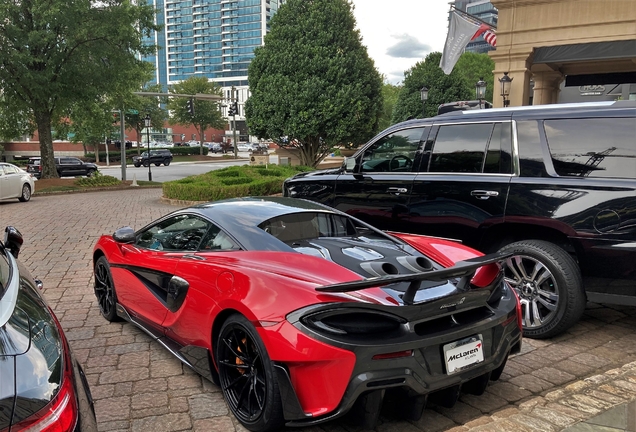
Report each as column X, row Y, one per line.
column 231, row 182
column 97, row 180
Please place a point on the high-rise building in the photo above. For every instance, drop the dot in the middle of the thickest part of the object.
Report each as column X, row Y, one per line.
column 211, row 38
column 486, row 12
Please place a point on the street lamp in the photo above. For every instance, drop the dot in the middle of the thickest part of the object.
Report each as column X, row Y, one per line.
column 505, row 83
column 147, row 122
column 424, row 97
column 480, row 90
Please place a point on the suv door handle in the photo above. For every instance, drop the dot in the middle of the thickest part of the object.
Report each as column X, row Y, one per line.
column 397, row 190
column 484, row 194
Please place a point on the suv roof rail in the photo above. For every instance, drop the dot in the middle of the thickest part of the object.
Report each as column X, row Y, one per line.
column 618, row 104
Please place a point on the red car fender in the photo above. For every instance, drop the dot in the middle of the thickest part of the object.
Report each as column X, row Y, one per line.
column 447, row 253
column 319, row 372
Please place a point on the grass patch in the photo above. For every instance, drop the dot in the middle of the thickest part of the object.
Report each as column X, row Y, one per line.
column 231, row 182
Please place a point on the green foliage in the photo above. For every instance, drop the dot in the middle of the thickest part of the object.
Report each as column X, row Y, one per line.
column 97, row 180
column 312, row 84
column 390, row 94
column 231, row 182
column 61, row 55
column 442, row 88
column 206, row 112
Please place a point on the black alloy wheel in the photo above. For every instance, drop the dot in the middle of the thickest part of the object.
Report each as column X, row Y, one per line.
column 26, row 193
column 247, row 376
column 105, row 290
column 146, row 163
column 166, row 162
column 90, row 173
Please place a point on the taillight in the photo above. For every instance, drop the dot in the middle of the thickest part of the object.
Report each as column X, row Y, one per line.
column 40, row 168
column 61, row 414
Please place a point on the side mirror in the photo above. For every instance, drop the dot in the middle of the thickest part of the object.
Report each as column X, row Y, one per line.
column 124, row 235
column 13, row 240
column 350, row 163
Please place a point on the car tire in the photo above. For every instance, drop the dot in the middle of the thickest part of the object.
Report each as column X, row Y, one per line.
column 105, row 290
column 241, row 356
column 157, row 163
column 26, row 193
column 166, row 162
column 549, row 285
column 146, row 164
column 90, row 173
column 137, row 165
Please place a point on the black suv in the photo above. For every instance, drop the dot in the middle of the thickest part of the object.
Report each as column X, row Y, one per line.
column 66, row 167
column 553, row 184
column 157, row 157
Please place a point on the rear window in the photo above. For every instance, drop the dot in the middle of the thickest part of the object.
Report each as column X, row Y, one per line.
column 34, row 162
column 295, row 227
column 596, row 147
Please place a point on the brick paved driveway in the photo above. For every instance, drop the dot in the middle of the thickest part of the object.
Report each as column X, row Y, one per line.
column 138, row 386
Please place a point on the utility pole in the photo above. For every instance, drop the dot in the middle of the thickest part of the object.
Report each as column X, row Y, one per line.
column 122, row 117
column 234, row 103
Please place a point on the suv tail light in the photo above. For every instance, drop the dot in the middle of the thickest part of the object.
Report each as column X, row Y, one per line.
column 61, row 414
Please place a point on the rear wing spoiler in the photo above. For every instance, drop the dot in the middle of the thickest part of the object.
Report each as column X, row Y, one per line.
column 465, row 270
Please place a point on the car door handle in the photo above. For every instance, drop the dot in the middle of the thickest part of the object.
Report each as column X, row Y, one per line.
column 484, row 194
column 397, row 190
column 193, row 257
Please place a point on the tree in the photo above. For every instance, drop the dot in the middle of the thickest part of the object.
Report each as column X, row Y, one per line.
column 144, row 106
column 312, row 84
column 390, row 94
column 442, row 88
column 206, row 112
column 57, row 53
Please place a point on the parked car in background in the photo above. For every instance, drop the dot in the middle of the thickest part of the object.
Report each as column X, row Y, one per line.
column 15, row 183
column 66, row 167
column 553, row 184
column 42, row 386
column 358, row 313
column 245, row 147
column 157, row 157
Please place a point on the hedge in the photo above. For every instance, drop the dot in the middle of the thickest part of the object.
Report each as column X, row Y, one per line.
column 231, row 182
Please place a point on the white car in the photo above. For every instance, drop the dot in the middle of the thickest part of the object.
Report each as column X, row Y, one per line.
column 15, row 183
column 245, row 147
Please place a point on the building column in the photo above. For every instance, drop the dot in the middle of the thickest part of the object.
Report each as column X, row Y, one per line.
column 546, row 87
column 518, row 67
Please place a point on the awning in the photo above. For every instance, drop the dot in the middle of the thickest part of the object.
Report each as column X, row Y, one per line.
column 592, row 51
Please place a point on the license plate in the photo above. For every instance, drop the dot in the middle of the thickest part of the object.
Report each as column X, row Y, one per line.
column 463, row 353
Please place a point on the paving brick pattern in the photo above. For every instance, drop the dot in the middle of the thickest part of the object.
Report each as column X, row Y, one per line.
column 139, row 386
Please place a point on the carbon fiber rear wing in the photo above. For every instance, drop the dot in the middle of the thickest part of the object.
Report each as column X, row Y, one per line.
column 465, row 270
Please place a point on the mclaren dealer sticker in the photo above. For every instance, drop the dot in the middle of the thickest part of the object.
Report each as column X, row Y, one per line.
column 463, row 353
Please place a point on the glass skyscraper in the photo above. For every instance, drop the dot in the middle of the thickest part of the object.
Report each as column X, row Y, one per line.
column 485, row 11
column 211, row 38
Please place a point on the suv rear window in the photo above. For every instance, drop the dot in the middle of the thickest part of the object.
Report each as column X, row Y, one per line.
column 34, row 161
column 592, row 147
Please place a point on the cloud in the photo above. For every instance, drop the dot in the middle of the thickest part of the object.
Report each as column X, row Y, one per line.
column 408, row 47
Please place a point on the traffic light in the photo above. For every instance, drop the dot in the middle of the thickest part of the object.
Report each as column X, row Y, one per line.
column 190, row 106
column 233, row 109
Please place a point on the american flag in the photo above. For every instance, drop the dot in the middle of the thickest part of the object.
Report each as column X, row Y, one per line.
column 489, row 35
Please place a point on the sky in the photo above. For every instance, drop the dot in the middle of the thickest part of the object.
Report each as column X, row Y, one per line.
column 399, row 33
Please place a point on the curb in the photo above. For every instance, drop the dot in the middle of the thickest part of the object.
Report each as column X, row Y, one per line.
column 565, row 407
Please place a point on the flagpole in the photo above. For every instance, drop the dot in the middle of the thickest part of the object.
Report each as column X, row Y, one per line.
column 466, row 14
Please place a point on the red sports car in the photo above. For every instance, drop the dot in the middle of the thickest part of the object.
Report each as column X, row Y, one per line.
column 301, row 313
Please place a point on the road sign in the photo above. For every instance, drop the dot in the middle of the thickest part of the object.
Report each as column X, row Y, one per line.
column 132, row 111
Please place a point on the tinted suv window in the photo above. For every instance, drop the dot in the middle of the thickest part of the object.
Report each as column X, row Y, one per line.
column 461, row 148
column 599, row 147
column 394, row 152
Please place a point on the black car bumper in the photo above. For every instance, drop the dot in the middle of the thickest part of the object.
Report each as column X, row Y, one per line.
column 423, row 372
